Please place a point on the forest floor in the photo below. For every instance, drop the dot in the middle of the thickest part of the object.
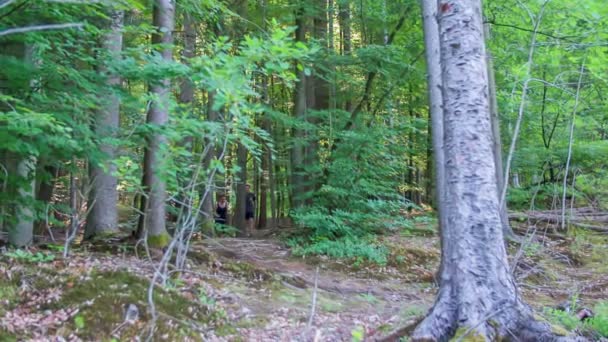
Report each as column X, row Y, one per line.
column 255, row 290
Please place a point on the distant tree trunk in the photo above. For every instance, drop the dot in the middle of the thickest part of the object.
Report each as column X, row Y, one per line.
column 497, row 146
column 477, row 295
column 346, row 42
column 45, row 194
column 241, row 193
column 22, row 234
column 318, row 93
column 266, row 164
column 103, row 198
column 300, row 98
column 158, row 115
column 207, row 208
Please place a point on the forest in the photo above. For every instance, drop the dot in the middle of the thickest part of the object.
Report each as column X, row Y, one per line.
column 291, row 170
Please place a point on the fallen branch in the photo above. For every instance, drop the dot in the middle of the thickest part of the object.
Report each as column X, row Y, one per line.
column 314, row 301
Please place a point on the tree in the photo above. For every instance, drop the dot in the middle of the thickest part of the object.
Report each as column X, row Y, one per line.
column 433, row 66
column 299, row 108
column 158, row 116
column 477, row 294
column 103, row 201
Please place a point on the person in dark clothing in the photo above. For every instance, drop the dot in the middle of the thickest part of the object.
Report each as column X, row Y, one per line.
column 249, row 209
column 221, row 210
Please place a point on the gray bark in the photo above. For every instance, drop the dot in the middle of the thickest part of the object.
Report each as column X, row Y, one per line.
column 22, row 234
column 570, row 142
column 158, row 115
column 433, row 62
column 103, row 201
column 477, row 294
column 497, row 146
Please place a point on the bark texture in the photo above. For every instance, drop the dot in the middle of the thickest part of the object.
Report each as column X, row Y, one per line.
column 433, row 65
column 22, row 234
column 158, row 115
column 477, row 295
column 103, row 198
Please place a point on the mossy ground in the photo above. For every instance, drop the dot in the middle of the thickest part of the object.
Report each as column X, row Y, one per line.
column 101, row 298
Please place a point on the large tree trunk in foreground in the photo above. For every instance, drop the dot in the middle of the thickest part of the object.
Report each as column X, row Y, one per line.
column 477, row 296
column 103, row 199
column 158, row 115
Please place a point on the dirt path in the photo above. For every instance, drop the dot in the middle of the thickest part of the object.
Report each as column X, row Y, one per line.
column 347, row 303
column 377, row 300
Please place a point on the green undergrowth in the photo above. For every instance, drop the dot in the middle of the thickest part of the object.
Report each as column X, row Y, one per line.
column 594, row 327
column 355, row 248
column 9, row 294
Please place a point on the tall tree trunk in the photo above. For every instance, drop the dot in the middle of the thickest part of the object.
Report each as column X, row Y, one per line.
column 497, row 143
column 158, row 115
column 45, row 194
column 241, row 193
column 207, row 220
column 103, row 198
column 300, row 104
column 319, row 92
column 22, row 234
column 346, row 42
column 434, row 86
column 266, row 161
column 477, row 295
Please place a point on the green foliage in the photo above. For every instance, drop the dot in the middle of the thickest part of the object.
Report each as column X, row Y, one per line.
column 358, row 334
column 597, row 324
column 27, row 256
column 79, row 322
column 225, row 230
column 355, row 194
column 204, row 299
column 354, row 248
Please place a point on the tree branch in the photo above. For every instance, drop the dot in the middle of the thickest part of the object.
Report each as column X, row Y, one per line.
column 542, row 33
column 6, row 3
column 39, row 28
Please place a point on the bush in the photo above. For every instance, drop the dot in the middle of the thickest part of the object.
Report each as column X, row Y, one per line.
column 359, row 249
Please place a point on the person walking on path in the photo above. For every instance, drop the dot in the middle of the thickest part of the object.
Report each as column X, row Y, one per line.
column 221, row 210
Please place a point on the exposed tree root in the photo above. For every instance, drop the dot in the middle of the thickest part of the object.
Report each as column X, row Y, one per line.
column 509, row 322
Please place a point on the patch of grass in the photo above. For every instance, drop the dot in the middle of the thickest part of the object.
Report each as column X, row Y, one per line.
column 357, row 249
column 594, row 326
column 8, row 295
